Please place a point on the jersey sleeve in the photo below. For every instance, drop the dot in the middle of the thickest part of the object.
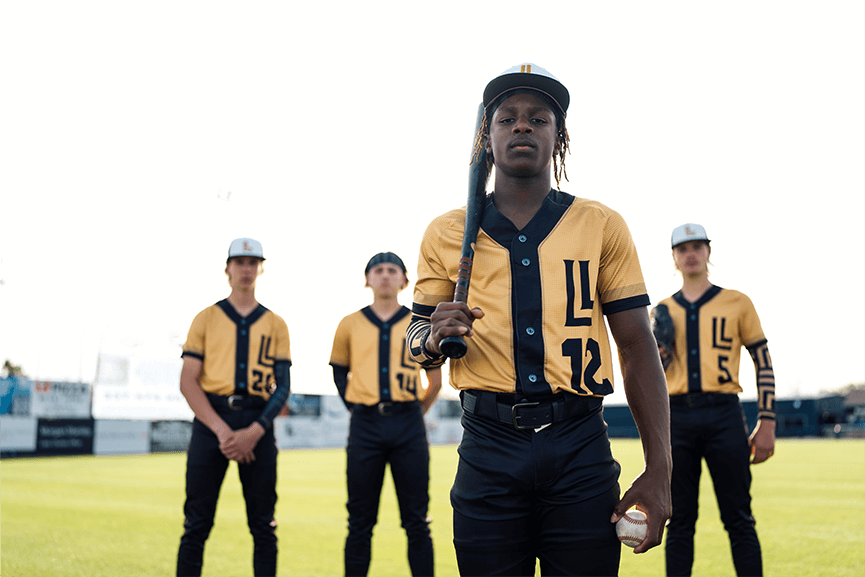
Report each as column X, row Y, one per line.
column 442, row 237
column 194, row 345
column 283, row 342
column 340, row 354
column 620, row 281
column 751, row 331
column 440, row 247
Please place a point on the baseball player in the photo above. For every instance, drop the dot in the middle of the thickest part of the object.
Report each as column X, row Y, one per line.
column 382, row 388
column 235, row 377
column 710, row 326
column 536, row 478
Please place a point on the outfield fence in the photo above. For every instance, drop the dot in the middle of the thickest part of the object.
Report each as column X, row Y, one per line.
column 39, row 418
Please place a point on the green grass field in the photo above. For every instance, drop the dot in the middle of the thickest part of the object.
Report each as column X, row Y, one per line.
column 116, row 516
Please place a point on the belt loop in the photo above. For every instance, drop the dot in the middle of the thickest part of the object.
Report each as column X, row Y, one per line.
column 559, row 409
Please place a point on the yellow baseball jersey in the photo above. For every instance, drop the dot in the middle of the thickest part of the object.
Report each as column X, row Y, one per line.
column 238, row 354
column 544, row 290
column 375, row 353
column 710, row 334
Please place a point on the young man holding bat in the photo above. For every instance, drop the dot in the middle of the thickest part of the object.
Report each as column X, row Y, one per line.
column 235, row 377
column 536, row 478
column 700, row 332
column 382, row 387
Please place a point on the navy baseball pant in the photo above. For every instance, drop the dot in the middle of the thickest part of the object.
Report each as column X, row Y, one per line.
column 521, row 496
column 205, row 471
column 717, row 433
column 374, row 441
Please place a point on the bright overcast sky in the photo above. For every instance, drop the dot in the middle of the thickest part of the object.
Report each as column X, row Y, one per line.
column 138, row 138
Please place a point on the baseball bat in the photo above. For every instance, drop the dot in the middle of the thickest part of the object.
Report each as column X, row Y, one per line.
column 455, row 347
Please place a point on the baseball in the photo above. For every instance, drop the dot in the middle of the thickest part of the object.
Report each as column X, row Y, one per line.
column 632, row 528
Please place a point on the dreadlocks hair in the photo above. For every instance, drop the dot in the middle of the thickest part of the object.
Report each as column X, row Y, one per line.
column 561, row 148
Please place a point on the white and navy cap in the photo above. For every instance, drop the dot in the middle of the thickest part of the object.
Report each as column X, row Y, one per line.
column 528, row 76
column 245, row 247
column 688, row 232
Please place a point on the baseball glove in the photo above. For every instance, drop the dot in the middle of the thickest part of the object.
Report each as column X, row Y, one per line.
column 662, row 328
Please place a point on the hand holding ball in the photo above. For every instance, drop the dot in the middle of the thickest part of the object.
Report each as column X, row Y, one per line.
column 632, row 528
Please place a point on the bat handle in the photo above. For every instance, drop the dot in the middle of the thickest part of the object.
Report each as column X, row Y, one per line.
column 455, row 347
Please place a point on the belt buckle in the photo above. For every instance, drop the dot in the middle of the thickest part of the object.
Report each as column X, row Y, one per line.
column 696, row 400
column 384, row 409
column 232, row 399
column 514, row 415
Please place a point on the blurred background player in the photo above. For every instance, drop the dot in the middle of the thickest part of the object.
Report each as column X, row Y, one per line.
column 382, row 387
column 235, row 377
column 712, row 325
column 536, row 478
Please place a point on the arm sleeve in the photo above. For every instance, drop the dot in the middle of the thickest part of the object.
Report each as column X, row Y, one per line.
column 416, row 336
column 765, row 380
column 340, row 379
column 279, row 396
column 751, row 333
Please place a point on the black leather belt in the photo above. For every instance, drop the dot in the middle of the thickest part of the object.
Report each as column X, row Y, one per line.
column 386, row 409
column 236, row 402
column 695, row 400
column 527, row 413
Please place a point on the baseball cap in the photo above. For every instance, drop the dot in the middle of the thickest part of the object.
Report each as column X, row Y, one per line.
column 528, row 76
column 384, row 257
column 245, row 247
column 687, row 232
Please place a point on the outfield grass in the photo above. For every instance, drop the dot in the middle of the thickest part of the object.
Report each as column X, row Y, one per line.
column 111, row 516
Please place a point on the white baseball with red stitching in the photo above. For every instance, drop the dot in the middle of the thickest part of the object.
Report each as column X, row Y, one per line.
column 632, row 528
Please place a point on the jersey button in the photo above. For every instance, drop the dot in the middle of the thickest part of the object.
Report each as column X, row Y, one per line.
column 530, row 331
column 523, row 238
column 243, row 333
column 693, row 351
column 526, row 262
column 384, row 337
column 384, row 369
column 242, row 365
column 693, row 317
column 533, row 378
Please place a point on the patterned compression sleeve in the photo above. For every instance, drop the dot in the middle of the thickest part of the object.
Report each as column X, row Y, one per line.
column 765, row 380
column 279, row 396
column 416, row 336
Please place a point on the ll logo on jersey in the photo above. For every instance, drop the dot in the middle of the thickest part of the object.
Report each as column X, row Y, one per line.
column 586, row 302
column 719, row 338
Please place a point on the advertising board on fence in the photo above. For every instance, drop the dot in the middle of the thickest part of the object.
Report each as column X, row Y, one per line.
column 121, row 437
column 169, row 436
column 64, row 437
column 60, row 399
column 137, row 386
column 17, row 434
